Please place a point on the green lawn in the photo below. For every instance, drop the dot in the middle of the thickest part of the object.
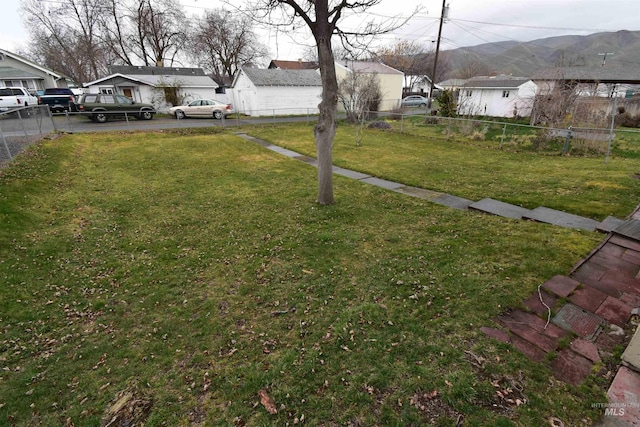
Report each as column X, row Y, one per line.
column 193, row 270
column 424, row 157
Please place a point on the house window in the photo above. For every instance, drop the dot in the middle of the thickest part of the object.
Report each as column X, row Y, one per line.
column 469, row 92
column 1, row 56
column 106, row 90
column 505, row 93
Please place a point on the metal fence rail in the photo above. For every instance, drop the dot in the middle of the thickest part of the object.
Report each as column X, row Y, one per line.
column 22, row 127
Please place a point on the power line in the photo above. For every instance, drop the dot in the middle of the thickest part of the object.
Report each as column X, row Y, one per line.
column 533, row 26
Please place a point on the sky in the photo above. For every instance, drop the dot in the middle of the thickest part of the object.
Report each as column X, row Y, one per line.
column 469, row 23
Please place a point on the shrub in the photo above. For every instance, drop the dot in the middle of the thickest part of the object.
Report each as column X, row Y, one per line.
column 628, row 120
column 477, row 135
column 379, row 125
column 448, row 107
column 397, row 113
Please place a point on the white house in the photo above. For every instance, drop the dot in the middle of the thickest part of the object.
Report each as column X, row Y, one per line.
column 18, row 71
column 266, row 92
column 452, row 84
column 420, row 84
column 499, row 96
column 161, row 86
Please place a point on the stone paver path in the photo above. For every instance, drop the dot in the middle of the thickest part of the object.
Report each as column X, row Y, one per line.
column 589, row 307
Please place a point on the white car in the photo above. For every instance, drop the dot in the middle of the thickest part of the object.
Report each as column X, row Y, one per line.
column 202, row 108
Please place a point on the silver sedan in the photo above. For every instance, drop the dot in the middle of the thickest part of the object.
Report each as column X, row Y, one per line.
column 202, row 108
column 415, row 101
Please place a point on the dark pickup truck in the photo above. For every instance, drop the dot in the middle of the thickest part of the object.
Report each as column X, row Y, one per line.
column 58, row 99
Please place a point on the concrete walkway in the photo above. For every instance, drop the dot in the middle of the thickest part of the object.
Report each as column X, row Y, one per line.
column 489, row 206
column 588, row 308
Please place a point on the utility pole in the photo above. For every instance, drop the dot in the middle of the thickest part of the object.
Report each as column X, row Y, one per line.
column 435, row 59
column 604, row 57
column 614, row 108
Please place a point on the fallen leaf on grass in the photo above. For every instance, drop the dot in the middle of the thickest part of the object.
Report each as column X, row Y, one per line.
column 268, row 402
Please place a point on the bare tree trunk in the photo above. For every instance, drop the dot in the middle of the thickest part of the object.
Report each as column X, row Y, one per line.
column 325, row 130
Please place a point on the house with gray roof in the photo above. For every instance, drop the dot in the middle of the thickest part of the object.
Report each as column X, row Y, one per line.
column 497, row 96
column 160, row 86
column 18, row 71
column 590, row 81
column 267, row 92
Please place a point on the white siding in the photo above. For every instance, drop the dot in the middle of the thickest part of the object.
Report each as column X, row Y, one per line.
column 278, row 100
column 493, row 102
column 273, row 100
column 151, row 95
column 244, row 95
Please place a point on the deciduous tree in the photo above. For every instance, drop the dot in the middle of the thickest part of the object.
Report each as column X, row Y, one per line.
column 360, row 96
column 413, row 59
column 323, row 18
column 223, row 41
column 66, row 36
column 161, row 31
column 81, row 38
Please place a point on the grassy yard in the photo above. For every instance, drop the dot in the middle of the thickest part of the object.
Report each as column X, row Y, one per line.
column 182, row 276
column 424, row 157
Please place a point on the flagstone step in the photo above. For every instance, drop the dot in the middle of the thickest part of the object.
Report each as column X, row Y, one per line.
column 496, row 207
column 453, row 201
column 562, row 219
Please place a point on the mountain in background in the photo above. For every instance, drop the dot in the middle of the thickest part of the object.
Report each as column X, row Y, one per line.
column 522, row 59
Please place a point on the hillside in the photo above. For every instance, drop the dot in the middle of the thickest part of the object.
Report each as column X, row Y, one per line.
column 525, row 58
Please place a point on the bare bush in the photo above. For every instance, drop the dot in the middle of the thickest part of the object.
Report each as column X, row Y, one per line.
column 379, row 125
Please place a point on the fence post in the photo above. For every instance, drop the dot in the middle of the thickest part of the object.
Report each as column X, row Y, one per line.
column 36, row 112
column 565, row 149
column 24, row 129
column 66, row 114
column 449, row 127
column 6, row 145
column 504, row 131
column 613, row 122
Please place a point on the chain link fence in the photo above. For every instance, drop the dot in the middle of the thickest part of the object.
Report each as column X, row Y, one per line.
column 22, row 127
column 507, row 133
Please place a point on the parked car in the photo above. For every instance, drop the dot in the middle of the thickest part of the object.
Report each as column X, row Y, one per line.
column 202, row 108
column 415, row 101
column 58, row 99
column 102, row 107
column 15, row 97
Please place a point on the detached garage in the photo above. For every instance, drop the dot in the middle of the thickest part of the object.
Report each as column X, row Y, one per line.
column 260, row 92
